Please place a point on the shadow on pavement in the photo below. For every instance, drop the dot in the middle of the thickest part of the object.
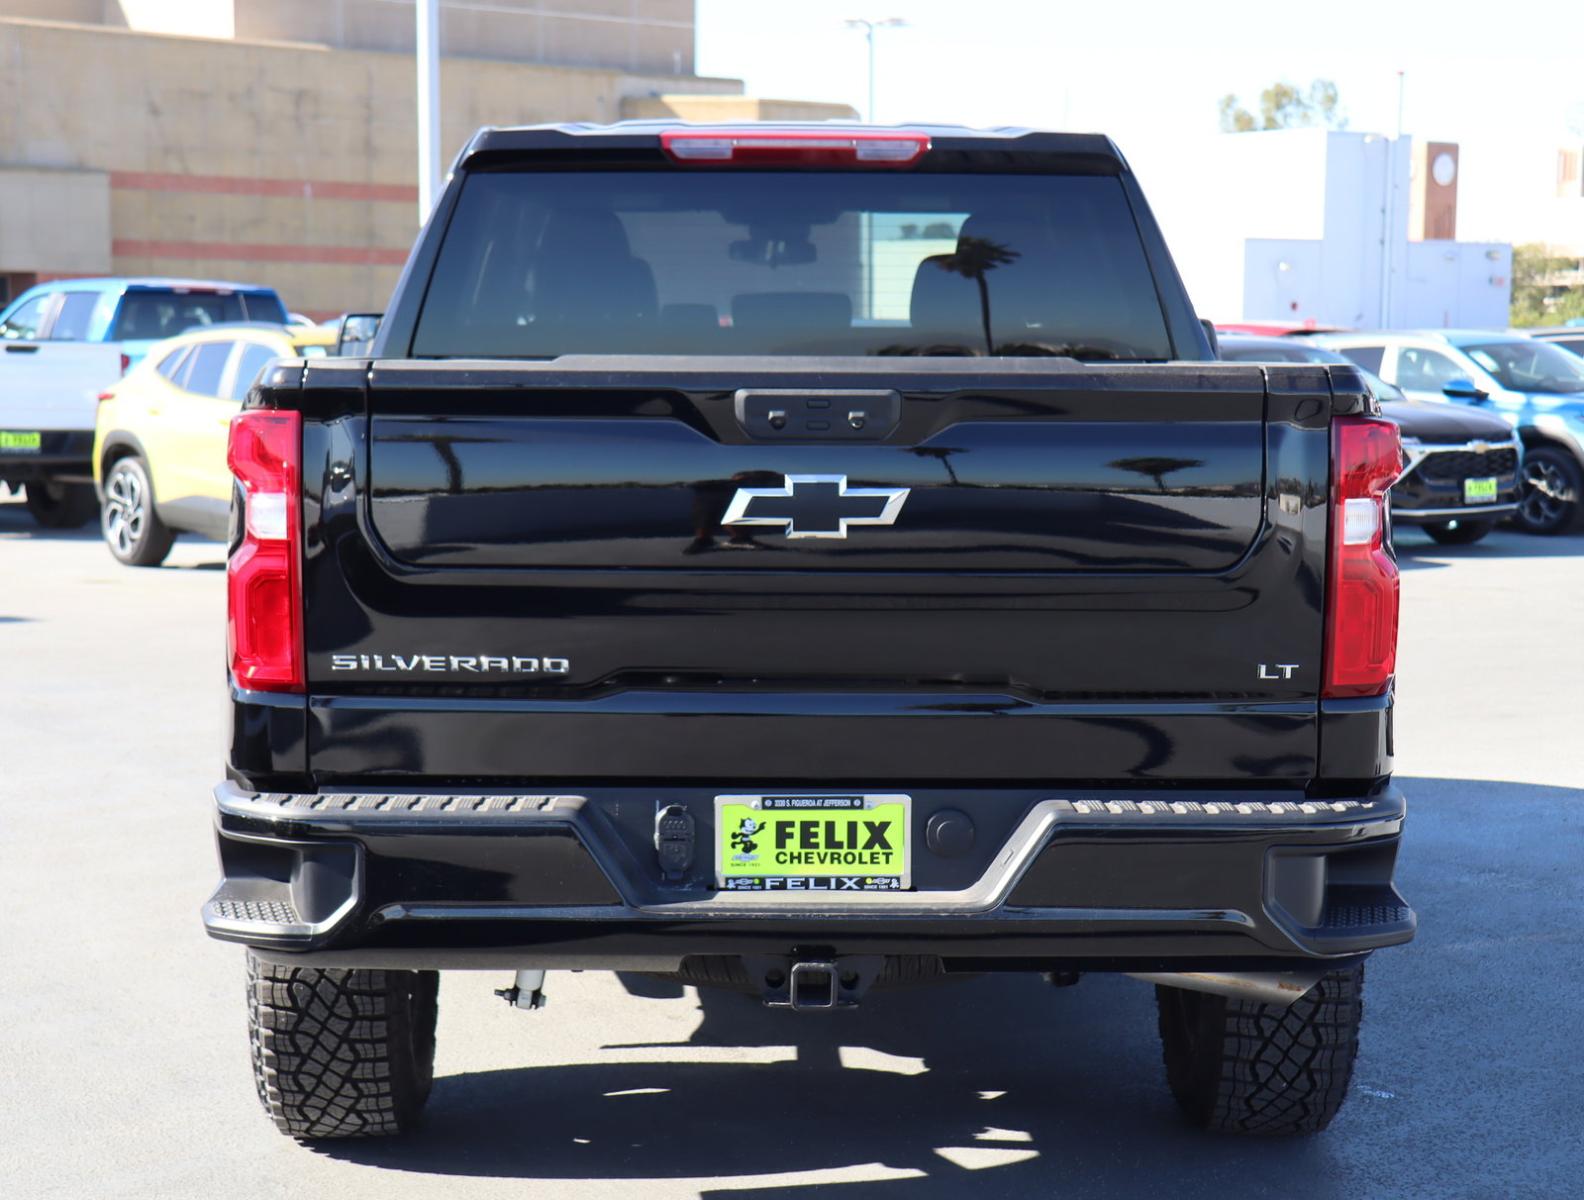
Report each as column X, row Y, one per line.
column 1416, row 550
column 17, row 522
column 1011, row 1085
column 1005, row 1086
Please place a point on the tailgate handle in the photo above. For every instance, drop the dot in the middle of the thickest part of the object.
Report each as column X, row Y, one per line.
column 21, row 349
column 818, row 414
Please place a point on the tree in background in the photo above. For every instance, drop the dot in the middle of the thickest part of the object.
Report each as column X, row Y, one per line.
column 1285, row 106
column 1540, row 292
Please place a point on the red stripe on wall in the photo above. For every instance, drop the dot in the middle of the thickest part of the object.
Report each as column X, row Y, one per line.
column 362, row 256
column 246, row 185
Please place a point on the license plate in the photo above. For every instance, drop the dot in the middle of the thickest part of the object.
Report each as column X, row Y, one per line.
column 812, row 843
column 1479, row 491
column 20, row 443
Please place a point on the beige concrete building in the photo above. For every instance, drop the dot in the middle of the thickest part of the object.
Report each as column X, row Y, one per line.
column 274, row 141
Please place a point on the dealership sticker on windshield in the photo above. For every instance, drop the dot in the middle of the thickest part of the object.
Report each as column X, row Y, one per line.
column 20, row 443
column 1479, row 491
column 812, row 843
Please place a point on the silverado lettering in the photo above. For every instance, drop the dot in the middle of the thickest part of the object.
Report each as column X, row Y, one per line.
column 476, row 663
column 904, row 544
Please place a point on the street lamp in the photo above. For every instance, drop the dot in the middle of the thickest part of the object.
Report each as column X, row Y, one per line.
column 428, row 47
column 869, row 26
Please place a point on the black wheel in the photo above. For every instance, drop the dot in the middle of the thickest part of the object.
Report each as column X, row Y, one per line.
column 1553, row 484
column 1460, row 532
column 1236, row 1066
column 131, row 527
column 342, row 1053
column 61, row 505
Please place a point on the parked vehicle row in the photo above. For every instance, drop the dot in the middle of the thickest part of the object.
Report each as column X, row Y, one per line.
column 1470, row 393
column 1535, row 387
column 159, row 452
column 1472, row 405
column 63, row 343
column 1569, row 337
column 1462, row 473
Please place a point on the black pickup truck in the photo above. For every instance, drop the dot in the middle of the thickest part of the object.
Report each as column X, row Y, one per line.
column 806, row 560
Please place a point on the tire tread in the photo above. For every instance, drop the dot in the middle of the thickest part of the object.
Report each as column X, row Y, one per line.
column 332, row 1052
column 1262, row 1069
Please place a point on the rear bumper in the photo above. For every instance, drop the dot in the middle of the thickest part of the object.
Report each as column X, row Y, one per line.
column 63, row 454
column 1133, row 881
column 1106, row 881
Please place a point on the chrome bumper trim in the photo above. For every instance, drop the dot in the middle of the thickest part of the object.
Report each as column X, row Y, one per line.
column 1408, row 515
column 428, row 806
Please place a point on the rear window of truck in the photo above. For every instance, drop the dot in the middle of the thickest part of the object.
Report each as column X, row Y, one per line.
column 149, row 314
column 540, row 264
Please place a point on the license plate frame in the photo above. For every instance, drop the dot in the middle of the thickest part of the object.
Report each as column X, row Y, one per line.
column 1482, row 489
column 837, row 829
column 21, row 441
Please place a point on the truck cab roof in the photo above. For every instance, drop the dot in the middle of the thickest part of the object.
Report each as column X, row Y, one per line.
column 130, row 283
column 1098, row 149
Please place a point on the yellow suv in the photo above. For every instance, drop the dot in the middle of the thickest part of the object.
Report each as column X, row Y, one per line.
column 159, row 450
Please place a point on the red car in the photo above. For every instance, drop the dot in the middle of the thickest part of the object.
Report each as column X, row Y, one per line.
column 1277, row 328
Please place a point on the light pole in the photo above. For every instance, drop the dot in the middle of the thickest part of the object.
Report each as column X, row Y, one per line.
column 428, row 106
column 869, row 26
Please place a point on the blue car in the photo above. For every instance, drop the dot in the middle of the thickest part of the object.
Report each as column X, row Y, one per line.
column 64, row 342
column 1536, row 387
column 1462, row 476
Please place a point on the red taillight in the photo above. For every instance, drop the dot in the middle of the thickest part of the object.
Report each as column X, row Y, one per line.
column 263, row 585
column 126, row 363
column 1361, row 607
column 803, row 147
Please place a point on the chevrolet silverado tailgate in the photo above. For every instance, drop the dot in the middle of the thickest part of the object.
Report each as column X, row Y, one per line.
column 1116, row 566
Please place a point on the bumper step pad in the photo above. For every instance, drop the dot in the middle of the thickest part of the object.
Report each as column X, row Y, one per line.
column 261, row 912
column 403, row 804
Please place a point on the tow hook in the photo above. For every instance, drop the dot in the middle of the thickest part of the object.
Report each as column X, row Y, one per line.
column 814, row 983
column 527, row 992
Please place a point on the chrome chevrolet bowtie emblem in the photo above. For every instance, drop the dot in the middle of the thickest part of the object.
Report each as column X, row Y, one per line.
column 815, row 506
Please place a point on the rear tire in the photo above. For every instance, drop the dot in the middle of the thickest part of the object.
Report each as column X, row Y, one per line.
column 61, row 505
column 1236, row 1066
column 342, row 1053
column 1553, row 490
column 1460, row 532
column 131, row 526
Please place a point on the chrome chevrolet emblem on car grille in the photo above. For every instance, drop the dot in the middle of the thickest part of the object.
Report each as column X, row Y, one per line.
column 815, row 506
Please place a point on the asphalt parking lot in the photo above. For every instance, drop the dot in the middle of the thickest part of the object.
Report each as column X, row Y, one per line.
column 124, row 1064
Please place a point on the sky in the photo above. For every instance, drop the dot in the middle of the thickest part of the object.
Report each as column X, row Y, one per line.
column 1506, row 82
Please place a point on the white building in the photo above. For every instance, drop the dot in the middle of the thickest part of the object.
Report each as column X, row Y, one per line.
column 1311, row 225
